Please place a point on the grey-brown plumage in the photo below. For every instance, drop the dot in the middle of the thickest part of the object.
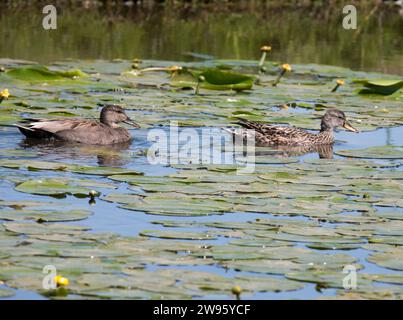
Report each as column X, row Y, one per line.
column 272, row 135
column 103, row 132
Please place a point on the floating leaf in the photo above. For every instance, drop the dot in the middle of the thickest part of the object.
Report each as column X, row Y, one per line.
column 380, row 86
column 42, row 73
column 44, row 216
column 51, row 187
column 6, row 293
column 37, row 228
column 177, row 235
column 383, row 152
column 215, row 79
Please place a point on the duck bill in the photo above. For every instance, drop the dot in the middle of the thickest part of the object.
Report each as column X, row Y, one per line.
column 349, row 127
column 132, row 123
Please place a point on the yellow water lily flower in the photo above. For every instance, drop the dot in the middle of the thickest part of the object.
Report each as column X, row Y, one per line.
column 4, row 94
column 286, row 67
column 61, row 281
column 339, row 83
column 265, row 49
column 174, row 68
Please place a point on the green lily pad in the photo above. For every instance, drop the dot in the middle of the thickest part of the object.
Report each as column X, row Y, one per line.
column 102, row 171
column 6, row 293
column 215, row 79
column 47, row 165
column 38, row 228
column 327, row 278
column 42, row 73
column 383, row 152
column 177, row 235
column 44, row 216
column 51, row 187
column 380, row 86
column 391, row 260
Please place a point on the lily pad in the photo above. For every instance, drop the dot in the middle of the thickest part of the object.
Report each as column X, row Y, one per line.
column 6, row 293
column 37, row 228
column 51, row 187
column 215, row 79
column 380, row 86
column 177, row 235
column 42, row 73
column 383, row 152
column 44, row 216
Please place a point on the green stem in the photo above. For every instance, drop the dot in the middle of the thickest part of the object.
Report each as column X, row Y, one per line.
column 335, row 88
column 262, row 59
column 155, row 69
column 197, row 87
column 278, row 78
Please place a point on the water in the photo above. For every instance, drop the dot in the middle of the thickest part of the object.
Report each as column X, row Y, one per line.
column 109, row 218
column 190, row 34
column 153, row 34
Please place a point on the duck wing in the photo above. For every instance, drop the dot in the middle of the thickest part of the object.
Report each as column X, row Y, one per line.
column 267, row 134
column 47, row 128
column 94, row 133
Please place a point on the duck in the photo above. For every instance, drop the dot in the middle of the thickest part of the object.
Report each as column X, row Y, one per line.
column 273, row 135
column 106, row 131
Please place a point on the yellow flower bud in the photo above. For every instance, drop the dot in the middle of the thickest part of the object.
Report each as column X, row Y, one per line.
column 265, row 49
column 4, row 94
column 286, row 67
column 237, row 290
column 61, row 281
column 175, row 68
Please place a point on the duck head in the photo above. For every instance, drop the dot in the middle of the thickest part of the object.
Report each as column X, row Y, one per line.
column 112, row 115
column 334, row 118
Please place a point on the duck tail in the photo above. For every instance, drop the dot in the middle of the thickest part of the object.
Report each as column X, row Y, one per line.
column 33, row 133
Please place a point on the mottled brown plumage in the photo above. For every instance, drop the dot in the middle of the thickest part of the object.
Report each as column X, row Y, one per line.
column 103, row 132
column 272, row 135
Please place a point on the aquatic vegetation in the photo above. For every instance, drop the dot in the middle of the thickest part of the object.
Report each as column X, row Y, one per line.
column 4, row 94
column 264, row 50
column 284, row 68
column 42, row 73
column 212, row 79
column 292, row 221
column 61, row 281
column 380, row 86
column 339, row 83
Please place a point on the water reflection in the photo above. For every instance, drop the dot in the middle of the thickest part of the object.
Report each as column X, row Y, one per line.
column 116, row 155
column 167, row 34
column 324, row 151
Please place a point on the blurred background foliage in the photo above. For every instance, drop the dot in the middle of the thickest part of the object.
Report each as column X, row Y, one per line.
column 299, row 31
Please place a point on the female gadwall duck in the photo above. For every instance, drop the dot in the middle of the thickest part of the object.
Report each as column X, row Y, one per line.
column 103, row 132
column 271, row 135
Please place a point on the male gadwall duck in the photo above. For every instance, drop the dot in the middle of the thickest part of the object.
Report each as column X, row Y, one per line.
column 103, row 132
column 271, row 135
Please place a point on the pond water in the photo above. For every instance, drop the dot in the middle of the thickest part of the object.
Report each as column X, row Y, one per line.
column 109, row 218
column 284, row 230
